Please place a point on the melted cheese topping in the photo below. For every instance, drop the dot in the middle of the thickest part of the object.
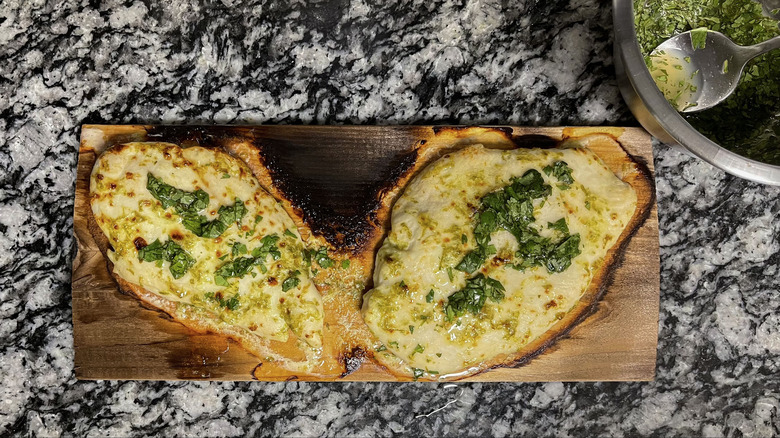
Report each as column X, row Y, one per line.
column 125, row 210
column 425, row 244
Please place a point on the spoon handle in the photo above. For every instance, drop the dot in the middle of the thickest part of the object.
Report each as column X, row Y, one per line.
column 766, row 46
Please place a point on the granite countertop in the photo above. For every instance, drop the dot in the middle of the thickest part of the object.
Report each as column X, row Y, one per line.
column 463, row 62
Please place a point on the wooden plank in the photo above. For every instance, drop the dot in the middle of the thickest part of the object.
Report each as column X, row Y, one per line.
column 341, row 169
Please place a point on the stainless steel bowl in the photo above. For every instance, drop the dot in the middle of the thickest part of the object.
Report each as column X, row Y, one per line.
column 656, row 114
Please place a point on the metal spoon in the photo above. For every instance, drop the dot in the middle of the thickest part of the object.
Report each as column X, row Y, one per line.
column 698, row 69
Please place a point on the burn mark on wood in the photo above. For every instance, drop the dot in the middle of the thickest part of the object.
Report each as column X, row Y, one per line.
column 352, row 360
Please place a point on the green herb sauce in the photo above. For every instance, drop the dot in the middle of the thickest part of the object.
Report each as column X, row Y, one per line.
column 748, row 122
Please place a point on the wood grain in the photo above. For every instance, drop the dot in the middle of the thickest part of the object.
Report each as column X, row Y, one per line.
column 338, row 172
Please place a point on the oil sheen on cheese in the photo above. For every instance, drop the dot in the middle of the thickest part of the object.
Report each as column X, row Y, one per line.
column 426, row 242
column 128, row 213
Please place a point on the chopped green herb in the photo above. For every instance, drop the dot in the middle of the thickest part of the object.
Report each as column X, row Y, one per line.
column 290, row 233
column 559, row 225
column 418, row 349
column 463, row 239
column 417, row 373
column 432, row 372
column 169, row 251
column 381, row 349
column 449, row 273
column 225, row 175
column 240, row 266
column 220, row 281
column 181, row 200
column 292, row 281
column 555, row 256
column 438, row 354
column 189, row 204
column 393, row 344
column 235, row 268
column 561, row 171
column 238, row 249
column 560, row 257
column 429, row 297
column 344, row 264
column 699, row 38
column 472, row 261
column 227, row 216
column 511, row 209
column 473, row 296
column 267, row 247
column 231, row 303
column 258, row 218
column 411, row 329
column 322, row 258
column 402, row 285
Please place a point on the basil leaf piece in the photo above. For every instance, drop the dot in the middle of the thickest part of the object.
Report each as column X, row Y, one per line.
column 559, row 225
column 292, row 281
column 238, row 249
column 170, row 251
column 471, row 262
column 181, row 200
column 560, row 258
column 240, row 266
column 237, row 268
column 561, row 171
column 231, row 303
column 212, row 230
column 473, row 296
column 322, row 258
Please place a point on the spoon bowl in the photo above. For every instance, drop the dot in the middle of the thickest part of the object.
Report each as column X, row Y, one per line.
column 700, row 68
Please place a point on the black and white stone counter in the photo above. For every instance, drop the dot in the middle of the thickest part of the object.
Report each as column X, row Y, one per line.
column 525, row 62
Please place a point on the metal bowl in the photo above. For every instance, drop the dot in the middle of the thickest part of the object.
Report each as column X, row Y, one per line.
column 659, row 117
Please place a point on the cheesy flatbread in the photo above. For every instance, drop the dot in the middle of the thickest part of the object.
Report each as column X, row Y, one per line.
column 191, row 232
column 488, row 249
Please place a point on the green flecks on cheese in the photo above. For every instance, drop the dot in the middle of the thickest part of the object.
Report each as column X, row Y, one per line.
column 425, row 243
column 216, row 283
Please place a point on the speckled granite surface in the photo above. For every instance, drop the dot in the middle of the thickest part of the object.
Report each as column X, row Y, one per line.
column 523, row 62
